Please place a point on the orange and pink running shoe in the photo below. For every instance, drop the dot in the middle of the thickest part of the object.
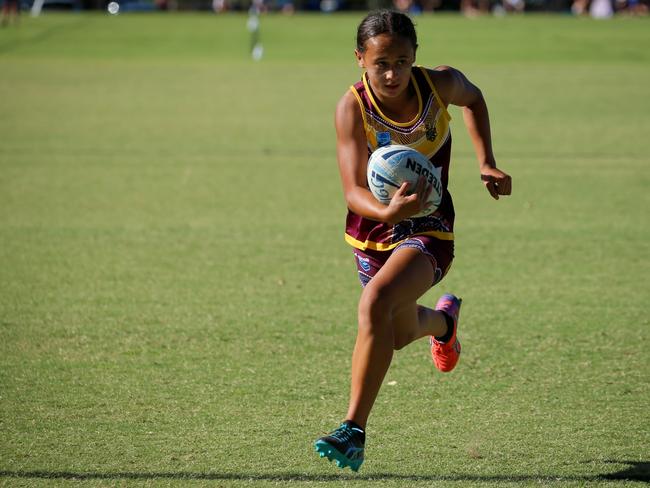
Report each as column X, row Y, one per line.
column 445, row 354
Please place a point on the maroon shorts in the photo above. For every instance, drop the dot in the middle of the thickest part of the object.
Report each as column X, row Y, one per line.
column 439, row 252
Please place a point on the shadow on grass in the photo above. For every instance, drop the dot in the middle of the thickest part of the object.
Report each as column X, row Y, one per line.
column 635, row 471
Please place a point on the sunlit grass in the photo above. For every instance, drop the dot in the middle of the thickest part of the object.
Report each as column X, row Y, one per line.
column 177, row 302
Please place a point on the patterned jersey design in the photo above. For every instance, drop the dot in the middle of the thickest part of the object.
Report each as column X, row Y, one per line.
column 427, row 133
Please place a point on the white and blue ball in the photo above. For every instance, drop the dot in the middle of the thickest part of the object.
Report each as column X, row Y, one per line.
column 390, row 166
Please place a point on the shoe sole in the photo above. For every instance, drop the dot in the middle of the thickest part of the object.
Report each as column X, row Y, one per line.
column 324, row 449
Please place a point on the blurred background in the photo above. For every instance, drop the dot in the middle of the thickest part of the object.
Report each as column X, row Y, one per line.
column 593, row 8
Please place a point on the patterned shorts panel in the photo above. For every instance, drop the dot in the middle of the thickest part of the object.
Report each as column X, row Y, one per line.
column 439, row 252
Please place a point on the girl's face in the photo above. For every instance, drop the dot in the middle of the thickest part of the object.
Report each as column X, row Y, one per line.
column 388, row 60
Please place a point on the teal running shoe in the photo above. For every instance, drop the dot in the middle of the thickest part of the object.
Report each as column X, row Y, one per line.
column 344, row 445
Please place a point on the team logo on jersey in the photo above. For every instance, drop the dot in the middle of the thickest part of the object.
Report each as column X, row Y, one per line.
column 432, row 132
column 383, row 139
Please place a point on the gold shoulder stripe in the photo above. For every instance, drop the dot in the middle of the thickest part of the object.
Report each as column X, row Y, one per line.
column 435, row 92
column 361, row 107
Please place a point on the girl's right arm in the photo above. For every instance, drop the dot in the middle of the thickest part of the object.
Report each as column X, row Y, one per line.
column 352, row 155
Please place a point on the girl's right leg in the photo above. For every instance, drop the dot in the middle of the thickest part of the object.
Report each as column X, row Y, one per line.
column 389, row 318
column 388, row 305
column 390, row 296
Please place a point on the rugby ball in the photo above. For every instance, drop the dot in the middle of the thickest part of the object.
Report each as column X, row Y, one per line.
column 390, row 166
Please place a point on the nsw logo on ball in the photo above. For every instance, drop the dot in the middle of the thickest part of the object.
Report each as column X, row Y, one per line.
column 378, row 185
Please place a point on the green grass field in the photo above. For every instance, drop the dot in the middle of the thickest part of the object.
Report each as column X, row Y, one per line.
column 177, row 304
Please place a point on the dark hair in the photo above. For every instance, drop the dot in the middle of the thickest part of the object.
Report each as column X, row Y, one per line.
column 385, row 22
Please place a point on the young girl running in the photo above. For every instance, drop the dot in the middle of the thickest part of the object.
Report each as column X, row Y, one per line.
column 400, row 257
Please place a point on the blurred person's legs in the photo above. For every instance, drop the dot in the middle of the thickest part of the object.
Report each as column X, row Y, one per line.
column 10, row 11
column 579, row 7
column 472, row 8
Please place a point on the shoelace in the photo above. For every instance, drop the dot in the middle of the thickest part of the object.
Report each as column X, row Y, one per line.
column 343, row 433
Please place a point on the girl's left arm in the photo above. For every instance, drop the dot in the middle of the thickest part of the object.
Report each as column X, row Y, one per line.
column 454, row 88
